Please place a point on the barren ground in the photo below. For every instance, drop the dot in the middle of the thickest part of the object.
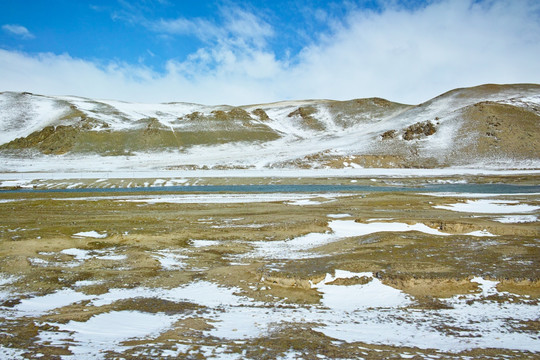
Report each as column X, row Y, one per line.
column 413, row 276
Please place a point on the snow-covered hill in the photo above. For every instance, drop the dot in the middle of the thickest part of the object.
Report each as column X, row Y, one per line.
column 495, row 125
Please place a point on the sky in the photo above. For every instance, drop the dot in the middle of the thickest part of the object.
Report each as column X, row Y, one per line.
column 248, row 52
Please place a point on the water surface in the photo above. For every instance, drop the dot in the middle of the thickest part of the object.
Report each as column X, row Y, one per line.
column 302, row 188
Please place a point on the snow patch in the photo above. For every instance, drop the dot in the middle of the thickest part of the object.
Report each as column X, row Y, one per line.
column 298, row 248
column 78, row 254
column 490, row 207
column 81, row 255
column 516, row 219
column 481, row 233
column 373, row 294
column 11, row 353
column 170, row 260
column 109, row 330
column 203, row 293
column 39, row 305
column 303, row 202
column 203, row 243
column 92, row 234
column 7, row 279
column 372, row 313
column 302, row 199
column 338, row 216
column 25, row 184
column 82, row 283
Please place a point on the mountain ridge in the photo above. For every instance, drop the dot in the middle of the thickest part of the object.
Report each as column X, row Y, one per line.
column 484, row 124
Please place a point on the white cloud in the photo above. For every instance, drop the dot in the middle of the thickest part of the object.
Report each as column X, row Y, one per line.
column 239, row 27
column 182, row 26
column 402, row 55
column 411, row 56
column 18, row 30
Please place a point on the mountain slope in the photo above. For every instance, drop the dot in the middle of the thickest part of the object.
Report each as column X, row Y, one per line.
column 485, row 124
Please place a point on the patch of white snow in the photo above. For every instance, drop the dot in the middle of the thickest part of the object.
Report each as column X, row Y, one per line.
column 91, row 234
column 490, row 207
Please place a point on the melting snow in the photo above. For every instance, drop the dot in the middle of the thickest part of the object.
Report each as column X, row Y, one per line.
column 203, row 293
column 372, row 313
column 296, row 248
column 516, row 219
column 338, row 216
column 11, row 353
column 7, row 279
column 39, row 305
column 81, row 255
column 227, row 198
column 480, row 323
column 170, row 260
column 351, row 298
column 481, row 233
column 16, row 183
column 108, row 330
column 82, row 283
column 92, row 234
column 490, row 207
column 203, row 243
column 303, row 202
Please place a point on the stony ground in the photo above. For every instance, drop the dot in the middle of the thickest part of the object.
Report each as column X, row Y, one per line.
column 344, row 275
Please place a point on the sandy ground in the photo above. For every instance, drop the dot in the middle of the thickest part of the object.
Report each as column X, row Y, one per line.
column 312, row 276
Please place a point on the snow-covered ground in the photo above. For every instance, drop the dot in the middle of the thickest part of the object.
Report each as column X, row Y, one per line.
column 298, row 248
column 292, row 198
column 371, row 313
column 90, row 234
column 490, row 207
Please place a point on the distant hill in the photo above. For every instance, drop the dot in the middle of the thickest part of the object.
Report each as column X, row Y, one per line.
column 494, row 125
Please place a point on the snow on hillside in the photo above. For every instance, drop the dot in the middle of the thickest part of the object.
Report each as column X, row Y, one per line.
column 21, row 114
column 123, row 115
column 310, row 133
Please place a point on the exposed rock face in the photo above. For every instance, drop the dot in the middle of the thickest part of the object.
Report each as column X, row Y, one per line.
column 418, row 130
column 308, row 120
column 390, row 134
column 153, row 126
column 261, row 114
column 304, row 112
column 51, row 140
column 233, row 114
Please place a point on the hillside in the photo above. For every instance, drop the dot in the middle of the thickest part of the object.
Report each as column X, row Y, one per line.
column 488, row 125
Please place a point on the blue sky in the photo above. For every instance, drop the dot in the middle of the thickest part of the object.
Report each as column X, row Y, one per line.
column 144, row 31
column 258, row 51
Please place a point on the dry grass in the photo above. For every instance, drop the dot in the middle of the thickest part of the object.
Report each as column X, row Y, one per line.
column 428, row 267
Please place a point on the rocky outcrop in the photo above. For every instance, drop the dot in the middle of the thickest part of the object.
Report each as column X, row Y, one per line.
column 390, row 134
column 418, row 130
column 305, row 113
column 261, row 114
column 50, row 140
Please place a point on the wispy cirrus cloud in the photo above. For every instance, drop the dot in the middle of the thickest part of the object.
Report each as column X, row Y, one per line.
column 235, row 46
column 235, row 26
column 18, row 30
column 201, row 28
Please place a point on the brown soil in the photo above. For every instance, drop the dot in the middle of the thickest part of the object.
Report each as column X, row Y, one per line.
column 37, row 227
column 500, row 130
